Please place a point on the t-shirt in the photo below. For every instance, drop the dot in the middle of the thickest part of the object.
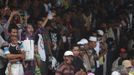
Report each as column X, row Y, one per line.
column 13, row 49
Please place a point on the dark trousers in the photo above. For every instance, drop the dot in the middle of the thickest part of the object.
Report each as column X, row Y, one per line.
column 44, row 68
column 2, row 71
column 99, row 71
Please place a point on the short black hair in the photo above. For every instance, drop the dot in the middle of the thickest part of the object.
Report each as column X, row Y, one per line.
column 12, row 26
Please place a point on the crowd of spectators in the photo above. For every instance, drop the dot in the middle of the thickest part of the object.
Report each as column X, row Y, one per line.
column 71, row 37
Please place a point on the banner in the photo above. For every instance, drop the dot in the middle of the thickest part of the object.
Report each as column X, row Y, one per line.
column 29, row 49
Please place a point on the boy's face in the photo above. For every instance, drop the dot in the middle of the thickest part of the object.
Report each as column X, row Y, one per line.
column 14, row 40
column 14, row 32
column 76, row 51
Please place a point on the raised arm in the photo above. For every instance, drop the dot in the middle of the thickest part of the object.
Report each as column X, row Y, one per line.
column 49, row 17
column 11, row 16
column 45, row 21
column 20, row 17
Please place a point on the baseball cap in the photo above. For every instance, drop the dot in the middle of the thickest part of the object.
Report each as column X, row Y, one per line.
column 68, row 53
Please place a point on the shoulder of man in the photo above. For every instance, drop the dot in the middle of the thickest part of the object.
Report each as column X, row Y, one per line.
column 61, row 68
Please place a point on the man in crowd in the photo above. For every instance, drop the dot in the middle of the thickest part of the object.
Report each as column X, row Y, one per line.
column 118, row 61
column 66, row 68
column 90, row 56
column 78, row 62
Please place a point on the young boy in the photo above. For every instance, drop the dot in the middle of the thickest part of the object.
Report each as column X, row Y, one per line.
column 14, row 53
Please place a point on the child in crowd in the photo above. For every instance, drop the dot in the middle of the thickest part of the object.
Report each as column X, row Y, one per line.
column 15, row 54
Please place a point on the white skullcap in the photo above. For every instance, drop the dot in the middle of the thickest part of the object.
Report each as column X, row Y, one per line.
column 100, row 32
column 82, row 41
column 115, row 73
column 92, row 38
